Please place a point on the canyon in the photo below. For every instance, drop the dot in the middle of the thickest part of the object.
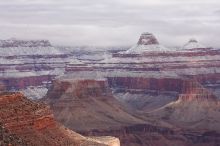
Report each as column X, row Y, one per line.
column 148, row 94
column 24, row 122
column 89, row 107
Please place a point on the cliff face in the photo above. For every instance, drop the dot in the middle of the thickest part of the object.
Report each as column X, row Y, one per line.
column 34, row 124
column 73, row 101
column 193, row 90
column 27, row 64
column 195, row 108
column 166, row 89
column 144, row 83
column 24, row 82
column 84, row 104
column 23, row 43
column 145, row 134
column 147, row 39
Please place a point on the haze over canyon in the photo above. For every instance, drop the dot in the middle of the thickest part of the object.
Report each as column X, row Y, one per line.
column 145, row 95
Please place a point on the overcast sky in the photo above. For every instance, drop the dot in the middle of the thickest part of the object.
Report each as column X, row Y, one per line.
column 111, row 22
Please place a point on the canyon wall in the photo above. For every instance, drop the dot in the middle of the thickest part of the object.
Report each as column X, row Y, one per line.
column 33, row 123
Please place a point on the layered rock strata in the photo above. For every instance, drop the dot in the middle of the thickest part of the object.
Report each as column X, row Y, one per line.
column 33, row 123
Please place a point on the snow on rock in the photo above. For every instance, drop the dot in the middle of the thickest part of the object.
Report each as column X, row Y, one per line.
column 14, row 47
column 193, row 44
column 16, row 51
column 35, row 92
column 146, row 43
column 138, row 49
column 10, row 43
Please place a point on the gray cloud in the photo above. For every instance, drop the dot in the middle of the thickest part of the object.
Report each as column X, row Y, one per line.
column 107, row 23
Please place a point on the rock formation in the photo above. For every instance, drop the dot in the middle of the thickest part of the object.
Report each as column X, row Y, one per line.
column 194, row 44
column 195, row 108
column 147, row 95
column 85, row 104
column 31, row 123
column 24, row 43
column 147, row 39
column 74, row 100
column 147, row 43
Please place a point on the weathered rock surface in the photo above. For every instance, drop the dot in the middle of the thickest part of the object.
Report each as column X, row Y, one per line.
column 6, row 138
column 85, row 104
column 196, row 108
column 146, row 43
column 147, row 39
column 23, row 43
column 79, row 98
column 165, row 90
column 30, row 123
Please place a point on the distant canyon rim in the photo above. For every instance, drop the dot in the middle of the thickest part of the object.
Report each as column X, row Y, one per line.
column 146, row 95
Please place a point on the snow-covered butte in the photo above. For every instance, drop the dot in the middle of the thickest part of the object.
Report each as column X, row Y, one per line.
column 147, row 43
column 193, row 44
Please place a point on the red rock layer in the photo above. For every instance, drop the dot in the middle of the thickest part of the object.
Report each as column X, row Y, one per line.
column 192, row 90
column 87, row 104
column 160, row 84
column 147, row 39
column 23, row 82
column 34, row 123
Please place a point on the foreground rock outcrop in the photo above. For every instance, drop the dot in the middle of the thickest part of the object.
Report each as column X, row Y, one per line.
column 24, row 122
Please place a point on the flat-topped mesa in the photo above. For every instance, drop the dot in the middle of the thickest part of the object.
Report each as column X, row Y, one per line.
column 147, row 39
column 11, row 43
column 84, row 104
column 147, row 43
column 79, row 87
column 29, row 48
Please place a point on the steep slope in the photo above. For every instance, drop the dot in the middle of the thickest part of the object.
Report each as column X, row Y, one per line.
column 6, row 138
column 196, row 108
column 33, row 124
column 85, row 104
column 193, row 44
column 147, row 43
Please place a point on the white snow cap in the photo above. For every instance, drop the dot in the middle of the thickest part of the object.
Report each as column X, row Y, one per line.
column 193, row 44
column 147, row 43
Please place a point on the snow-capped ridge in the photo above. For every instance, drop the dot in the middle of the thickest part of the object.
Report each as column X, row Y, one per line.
column 24, row 43
column 14, row 47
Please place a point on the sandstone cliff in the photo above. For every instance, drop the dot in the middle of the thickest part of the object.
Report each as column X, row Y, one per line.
column 30, row 123
column 85, row 104
column 195, row 108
